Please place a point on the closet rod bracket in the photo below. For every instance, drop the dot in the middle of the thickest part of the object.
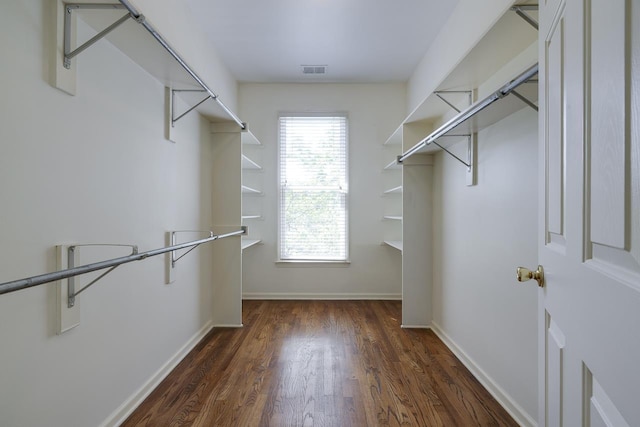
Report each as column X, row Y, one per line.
column 173, row 92
column 524, row 99
column 521, row 9
column 69, row 8
column 173, row 254
column 71, row 281
column 468, row 163
column 439, row 93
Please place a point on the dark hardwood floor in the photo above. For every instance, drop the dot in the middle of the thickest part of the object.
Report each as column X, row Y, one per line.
column 320, row 363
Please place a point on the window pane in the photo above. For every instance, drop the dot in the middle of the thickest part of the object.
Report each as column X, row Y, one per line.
column 313, row 188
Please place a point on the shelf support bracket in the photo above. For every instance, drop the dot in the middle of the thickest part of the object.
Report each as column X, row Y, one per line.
column 173, row 255
column 521, row 9
column 468, row 162
column 439, row 92
column 524, row 99
column 173, row 109
column 71, row 281
column 69, row 8
column 174, row 258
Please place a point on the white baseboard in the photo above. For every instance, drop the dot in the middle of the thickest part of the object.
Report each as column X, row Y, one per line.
column 121, row 414
column 515, row 410
column 228, row 325
column 415, row 326
column 317, row 296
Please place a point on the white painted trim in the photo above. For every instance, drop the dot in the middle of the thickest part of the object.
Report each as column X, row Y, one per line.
column 128, row 406
column 415, row 326
column 305, row 296
column 229, row 325
column 515, row 410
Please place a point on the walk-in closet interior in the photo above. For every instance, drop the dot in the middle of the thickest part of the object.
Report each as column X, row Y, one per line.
column 125, row 138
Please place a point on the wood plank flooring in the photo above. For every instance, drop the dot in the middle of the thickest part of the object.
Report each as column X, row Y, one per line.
column 320, row 363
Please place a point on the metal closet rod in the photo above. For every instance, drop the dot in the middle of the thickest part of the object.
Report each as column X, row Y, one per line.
column 140, row 18
column 471, row 111
column 29, row 282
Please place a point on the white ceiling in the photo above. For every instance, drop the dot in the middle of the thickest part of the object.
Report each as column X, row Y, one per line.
column 359, row 40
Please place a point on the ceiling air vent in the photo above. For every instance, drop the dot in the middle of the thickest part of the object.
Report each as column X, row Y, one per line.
column 314, row 69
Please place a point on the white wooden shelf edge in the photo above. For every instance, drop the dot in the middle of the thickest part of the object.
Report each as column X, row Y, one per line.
column 394, row 190
column 396, row 137
column 250, row 139
column 396, row 244
column 247, row 243
column 393, row 165
column 393, row 217
column 247, row 163
column 249, row 190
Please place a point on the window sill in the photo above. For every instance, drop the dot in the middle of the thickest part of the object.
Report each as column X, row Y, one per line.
column 311, row 263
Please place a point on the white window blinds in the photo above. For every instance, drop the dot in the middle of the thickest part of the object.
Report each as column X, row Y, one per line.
column 313, row 209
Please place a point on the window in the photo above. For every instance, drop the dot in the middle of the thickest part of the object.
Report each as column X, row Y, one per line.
column 313, row 193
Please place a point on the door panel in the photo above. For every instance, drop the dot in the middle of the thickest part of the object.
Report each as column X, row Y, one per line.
column 606, row 47
column 555, row 132
column 555, row 342
column 601, row 411
column 589, row 241
column 614, row 246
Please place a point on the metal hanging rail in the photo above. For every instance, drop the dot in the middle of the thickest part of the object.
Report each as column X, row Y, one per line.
column 29, row 282
column 472, row 111
column 139, row 18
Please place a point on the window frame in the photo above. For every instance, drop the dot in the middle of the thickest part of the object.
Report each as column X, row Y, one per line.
column 315, row 262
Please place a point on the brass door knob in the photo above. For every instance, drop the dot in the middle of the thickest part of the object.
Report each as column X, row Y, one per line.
column 524, row 274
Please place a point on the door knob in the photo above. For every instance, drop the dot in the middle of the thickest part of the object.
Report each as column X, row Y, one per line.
column 524, row 274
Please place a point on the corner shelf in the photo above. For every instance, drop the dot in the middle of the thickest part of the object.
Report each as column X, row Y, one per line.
column 393, row 165
column 394, row 190
column 249, row 164
column 250, row 217
column 393, row 217
column 396, row 244
column 395, row 138
column 252, row 206
column 247, row 243
column 249, row 190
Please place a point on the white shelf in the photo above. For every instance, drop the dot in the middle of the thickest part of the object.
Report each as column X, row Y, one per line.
column 506, row 40
column 249, row 164
column 499, row 106
column 249, row 190
column 247, row 243
column 395, row 138
column 135, row 41
column 393, row 165
column 250, row 139
column 507, row 49
column 394, row 190
column 393, row 217
column 250, row 217
column 396, row 244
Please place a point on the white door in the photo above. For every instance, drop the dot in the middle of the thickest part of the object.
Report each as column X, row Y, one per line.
column 590, row 213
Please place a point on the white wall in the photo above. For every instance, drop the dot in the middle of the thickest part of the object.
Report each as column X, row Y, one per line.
column 374, row 112
column 94, row 168
column 482, row 233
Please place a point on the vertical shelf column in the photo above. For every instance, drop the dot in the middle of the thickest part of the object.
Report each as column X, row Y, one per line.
column 417, row 234
column 227, row 216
